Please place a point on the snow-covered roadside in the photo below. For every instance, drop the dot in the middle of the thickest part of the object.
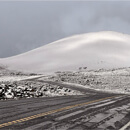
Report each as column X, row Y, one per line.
column 88, row 87
column 16, row 87
column 113, row 81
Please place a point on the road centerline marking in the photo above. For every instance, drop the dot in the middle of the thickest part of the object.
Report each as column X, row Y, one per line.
column 51, row 112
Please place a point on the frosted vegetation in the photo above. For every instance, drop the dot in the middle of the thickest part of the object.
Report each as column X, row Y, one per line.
column 26, row 89
column 12, row 86
column 115, row 80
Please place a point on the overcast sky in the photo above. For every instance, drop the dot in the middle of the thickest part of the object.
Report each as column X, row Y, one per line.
column 28, row 25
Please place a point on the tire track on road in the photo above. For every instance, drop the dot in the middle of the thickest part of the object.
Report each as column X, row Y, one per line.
column 51, row 112
column 90, row 112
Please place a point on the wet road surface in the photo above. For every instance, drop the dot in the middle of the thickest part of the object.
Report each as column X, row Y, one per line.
column 92, row 111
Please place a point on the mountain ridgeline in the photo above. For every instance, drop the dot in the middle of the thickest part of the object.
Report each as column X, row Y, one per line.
column 92, row 50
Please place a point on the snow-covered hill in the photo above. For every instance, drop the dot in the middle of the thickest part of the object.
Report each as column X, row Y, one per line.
column 92, row 50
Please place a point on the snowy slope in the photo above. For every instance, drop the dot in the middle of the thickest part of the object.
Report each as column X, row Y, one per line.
column 94, row 50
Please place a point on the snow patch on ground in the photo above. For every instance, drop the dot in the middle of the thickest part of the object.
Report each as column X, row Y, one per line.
column 12, row 78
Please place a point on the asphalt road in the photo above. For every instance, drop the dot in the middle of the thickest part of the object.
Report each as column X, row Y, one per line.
column 86, row 112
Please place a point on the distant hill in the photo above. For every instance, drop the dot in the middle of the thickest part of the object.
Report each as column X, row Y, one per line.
column 92, row 50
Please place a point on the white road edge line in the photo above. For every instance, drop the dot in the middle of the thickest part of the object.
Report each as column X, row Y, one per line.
column 125, row 126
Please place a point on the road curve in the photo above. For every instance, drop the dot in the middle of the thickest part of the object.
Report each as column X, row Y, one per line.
column 65, row 112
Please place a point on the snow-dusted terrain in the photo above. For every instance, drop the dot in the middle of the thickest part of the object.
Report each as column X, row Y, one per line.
column 26, row 89
column 14, row 85
column 113, row 81
column 92, row 50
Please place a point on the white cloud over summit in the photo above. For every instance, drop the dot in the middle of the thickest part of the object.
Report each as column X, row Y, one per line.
column 92, row 50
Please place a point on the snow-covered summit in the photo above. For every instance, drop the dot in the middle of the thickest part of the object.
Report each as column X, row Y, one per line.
column 92, row 50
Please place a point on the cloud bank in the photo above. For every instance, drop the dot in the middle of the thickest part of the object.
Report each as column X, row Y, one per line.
column 28, row 25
